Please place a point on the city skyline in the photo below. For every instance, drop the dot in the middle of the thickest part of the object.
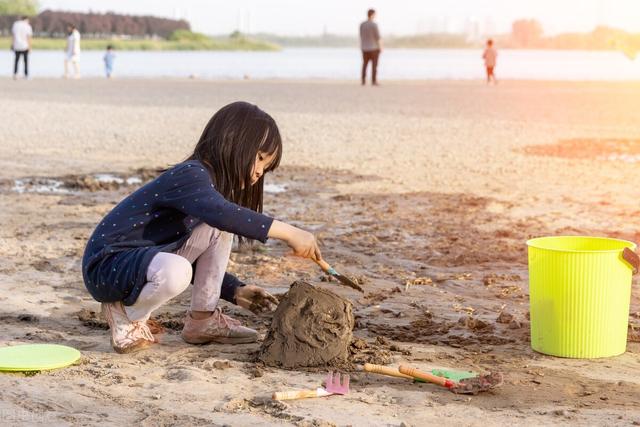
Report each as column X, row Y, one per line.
column 288, row 17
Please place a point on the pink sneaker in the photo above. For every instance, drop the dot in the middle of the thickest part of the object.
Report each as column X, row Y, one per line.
column 216, row 328
column 126, row 336
column 156, row 329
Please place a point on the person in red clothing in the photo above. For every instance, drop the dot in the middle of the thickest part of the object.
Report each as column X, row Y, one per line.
column 490, row 56
column 142, row 253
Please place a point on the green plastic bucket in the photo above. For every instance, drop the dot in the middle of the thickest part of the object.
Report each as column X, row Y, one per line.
column 579, row 293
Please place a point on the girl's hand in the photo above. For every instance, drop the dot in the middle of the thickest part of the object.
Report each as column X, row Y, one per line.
column 302, row 242
column 255, row 299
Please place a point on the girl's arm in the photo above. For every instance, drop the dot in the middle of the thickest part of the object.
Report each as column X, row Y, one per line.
column 302, row 242
column 188, row 189
column 230, row 285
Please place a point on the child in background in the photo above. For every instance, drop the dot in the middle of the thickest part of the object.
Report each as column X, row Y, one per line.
column 109, row 57
column 141, row 254
column 72, row 52
column 490, row 56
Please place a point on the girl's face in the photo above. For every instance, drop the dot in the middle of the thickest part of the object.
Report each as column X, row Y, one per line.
column 263, row 160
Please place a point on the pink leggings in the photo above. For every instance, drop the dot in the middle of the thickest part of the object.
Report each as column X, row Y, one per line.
column 169, row 274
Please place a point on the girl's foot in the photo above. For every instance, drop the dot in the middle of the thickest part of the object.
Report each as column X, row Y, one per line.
column 126, row 336
column 216, row 328
column 156, row 329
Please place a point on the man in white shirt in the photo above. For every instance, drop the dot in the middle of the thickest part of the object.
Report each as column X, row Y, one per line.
column 21, row 32
column 72, row 51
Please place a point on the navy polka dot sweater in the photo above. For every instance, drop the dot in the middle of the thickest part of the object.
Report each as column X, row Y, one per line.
column 159, row 217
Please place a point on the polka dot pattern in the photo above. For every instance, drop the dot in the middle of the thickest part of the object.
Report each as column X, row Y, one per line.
column 159, row 217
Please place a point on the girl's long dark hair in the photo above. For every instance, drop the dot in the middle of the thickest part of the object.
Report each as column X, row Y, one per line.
column 228, row 148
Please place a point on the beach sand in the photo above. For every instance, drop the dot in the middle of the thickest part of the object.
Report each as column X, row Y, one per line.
column 425, row 192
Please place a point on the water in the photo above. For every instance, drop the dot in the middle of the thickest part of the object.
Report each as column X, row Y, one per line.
column 109, row 178
column 274, row 188
column 343, row 63
column 40, row 185
column 57, row 186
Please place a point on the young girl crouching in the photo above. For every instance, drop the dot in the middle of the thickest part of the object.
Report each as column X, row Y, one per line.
column 141, row 254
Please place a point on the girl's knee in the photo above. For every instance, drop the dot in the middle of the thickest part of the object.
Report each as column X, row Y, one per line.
column 177, row 275
column 202, row 232
column 226, row 239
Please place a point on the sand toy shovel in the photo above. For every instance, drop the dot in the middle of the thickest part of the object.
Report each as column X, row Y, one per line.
column 341, row 278
column 333, row 385
column 473, row 385
column 393, row 372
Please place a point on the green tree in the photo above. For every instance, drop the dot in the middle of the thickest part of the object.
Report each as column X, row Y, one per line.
column 187, row 35
column 19, row 7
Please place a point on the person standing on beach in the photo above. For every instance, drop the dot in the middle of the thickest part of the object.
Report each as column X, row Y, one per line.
column 490, row 56
column 21, row 32
column 72, row 51
column 109, row 57
column 371, row 45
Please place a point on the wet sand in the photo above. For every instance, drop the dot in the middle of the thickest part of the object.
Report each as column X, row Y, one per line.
column 424, row 192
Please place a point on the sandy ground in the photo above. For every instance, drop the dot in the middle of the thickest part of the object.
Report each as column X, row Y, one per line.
column 434, row 184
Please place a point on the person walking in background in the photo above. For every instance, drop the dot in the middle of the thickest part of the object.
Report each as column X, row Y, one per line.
column 21, row 32
column 72, row 52
column 490, row 56
column 371, row 45
column 109, row 57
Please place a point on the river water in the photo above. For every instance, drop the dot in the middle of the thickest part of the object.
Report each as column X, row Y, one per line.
column 342, row 63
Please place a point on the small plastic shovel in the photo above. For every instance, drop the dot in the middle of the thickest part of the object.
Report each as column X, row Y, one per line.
column 444, row 373
column 473, row 385
column 344, row 280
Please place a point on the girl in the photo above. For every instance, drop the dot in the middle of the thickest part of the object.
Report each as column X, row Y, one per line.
column 141, row 254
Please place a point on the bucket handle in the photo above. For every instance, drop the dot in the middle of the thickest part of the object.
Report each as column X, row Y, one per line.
column 632, row 258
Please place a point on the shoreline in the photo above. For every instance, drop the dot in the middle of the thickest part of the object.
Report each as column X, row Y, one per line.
column 341, row 64
column 325, row 81
column 150, row 45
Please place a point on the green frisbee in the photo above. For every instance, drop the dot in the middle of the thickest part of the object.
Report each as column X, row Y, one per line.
column 36, row 357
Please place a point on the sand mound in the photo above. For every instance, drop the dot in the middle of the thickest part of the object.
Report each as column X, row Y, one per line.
column 311, row 327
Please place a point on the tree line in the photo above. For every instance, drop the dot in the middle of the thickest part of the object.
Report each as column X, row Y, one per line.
column 97, row 25
column 529, row 34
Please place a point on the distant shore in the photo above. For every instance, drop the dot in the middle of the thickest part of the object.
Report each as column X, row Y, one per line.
column 230, row 43
column 262, row 43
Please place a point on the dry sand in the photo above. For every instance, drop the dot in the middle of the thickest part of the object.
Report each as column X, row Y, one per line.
column 433, row 184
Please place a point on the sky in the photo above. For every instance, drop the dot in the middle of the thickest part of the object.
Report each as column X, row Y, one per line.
column 304, row 17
